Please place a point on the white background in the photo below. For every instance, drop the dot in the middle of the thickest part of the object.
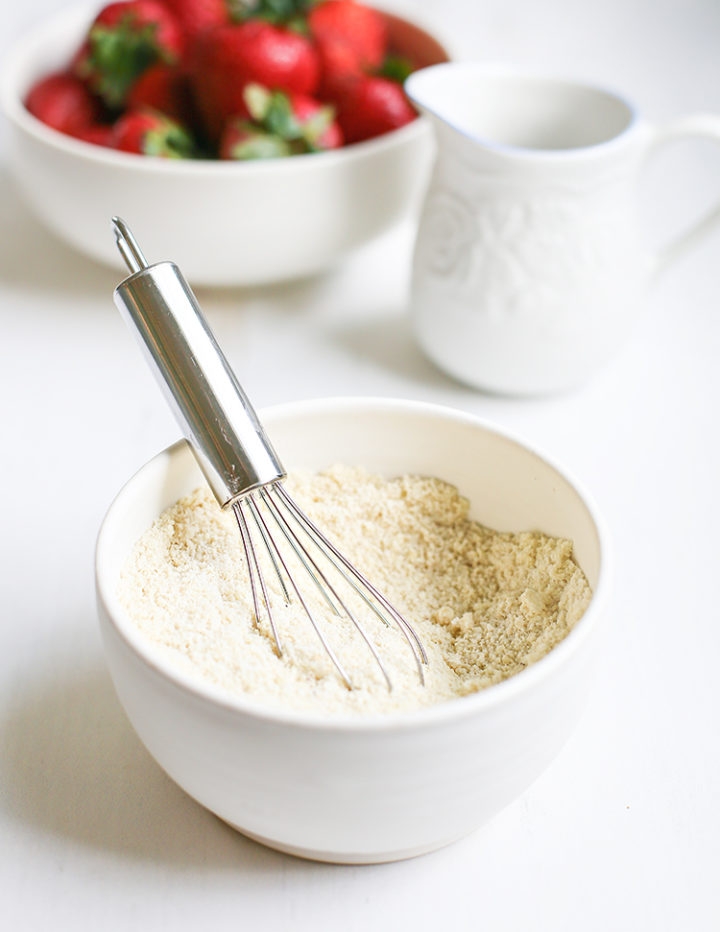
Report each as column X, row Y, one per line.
column 623, row 831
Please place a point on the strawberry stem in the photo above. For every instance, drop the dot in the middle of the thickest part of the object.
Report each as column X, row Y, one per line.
column 290, row 13
column 395, row 68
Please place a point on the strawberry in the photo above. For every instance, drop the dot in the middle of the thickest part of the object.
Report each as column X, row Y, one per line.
column 320, row 129
column 163, row 88
column 147, row 132
column 99, row 134
column 124, row 39
column 229, row 57
column 196, row 16
column 303, row 122
column 62, row 101
column 340, row 67
column 280, row 124
column 373, row 106
column 353, row 24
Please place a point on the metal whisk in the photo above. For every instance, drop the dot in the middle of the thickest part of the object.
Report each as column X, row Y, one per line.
column 236, row 456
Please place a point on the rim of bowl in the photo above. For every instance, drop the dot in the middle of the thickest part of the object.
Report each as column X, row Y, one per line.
column 457, row 707
column 11, row 102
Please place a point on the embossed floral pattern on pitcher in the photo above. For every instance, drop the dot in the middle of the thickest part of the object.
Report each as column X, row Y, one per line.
column 449, row 232
column 525, row 252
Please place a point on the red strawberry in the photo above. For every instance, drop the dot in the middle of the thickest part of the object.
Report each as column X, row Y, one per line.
column 149, row 133
column 196, row 16
column 372, row 107
column 163, row 88
column 358, row 26
column 280, row 124
column 229, row 57
column 305, row 123
column 124, row 39
column 99, row 134
column 339, row 68
column 62, row 101
column 317, row 121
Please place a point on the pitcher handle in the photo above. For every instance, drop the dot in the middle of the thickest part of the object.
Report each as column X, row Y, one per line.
column 697, row 126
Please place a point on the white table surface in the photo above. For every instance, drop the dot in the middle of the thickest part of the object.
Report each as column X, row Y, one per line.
column 623, row 830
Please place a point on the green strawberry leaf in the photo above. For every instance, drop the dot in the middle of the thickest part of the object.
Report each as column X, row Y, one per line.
column 395, row 68
column 314, row 128
column 272, row 111
column 280, row 119
column 258, row 145
column 117, row 57
column 170, row 141
column 258, row 100
column 290, row 13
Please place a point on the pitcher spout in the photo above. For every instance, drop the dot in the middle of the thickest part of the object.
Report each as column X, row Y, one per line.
column 451, row 97
column 438, row 93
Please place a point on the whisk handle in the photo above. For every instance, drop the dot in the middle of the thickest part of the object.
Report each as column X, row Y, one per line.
column 213, row 411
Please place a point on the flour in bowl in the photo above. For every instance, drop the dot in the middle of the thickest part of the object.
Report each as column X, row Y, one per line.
column 485, row 604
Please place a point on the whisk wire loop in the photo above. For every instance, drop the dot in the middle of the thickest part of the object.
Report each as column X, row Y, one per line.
column 252, row 562
column 300, row 552
column 322, row 541
column 307, row 561
column 279, row 561
column 339, row 563
column 264, row 532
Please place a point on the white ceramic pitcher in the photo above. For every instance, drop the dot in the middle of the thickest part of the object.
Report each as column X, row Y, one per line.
column 529, row 264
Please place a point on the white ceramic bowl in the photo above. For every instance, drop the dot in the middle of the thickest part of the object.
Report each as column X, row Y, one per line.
column 368, row 789
column 223, row 223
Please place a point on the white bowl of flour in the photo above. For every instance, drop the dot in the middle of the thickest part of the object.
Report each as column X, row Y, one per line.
column 278, row 748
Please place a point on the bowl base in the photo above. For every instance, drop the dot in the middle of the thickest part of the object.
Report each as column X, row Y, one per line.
column 348, row 857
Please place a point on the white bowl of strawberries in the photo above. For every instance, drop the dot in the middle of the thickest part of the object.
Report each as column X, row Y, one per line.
column 251, row 148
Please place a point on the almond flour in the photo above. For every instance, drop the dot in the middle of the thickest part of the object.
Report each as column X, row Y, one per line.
column 485, row 604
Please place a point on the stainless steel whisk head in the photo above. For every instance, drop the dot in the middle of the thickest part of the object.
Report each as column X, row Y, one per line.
column 237, row 458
